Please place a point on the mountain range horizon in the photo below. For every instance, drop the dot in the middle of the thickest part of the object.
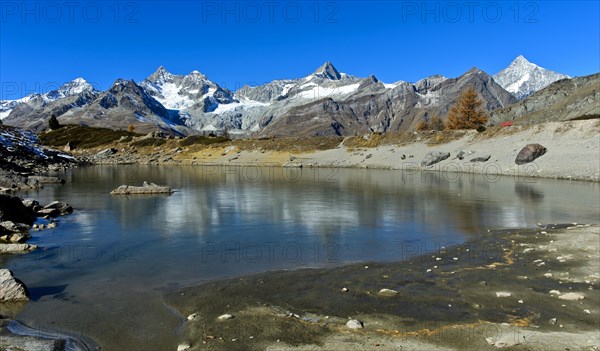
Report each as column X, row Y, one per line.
column 324, row 102
column 54, row 85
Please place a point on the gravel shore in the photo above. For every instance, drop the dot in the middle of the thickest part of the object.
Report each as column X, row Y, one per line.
column 534, row 289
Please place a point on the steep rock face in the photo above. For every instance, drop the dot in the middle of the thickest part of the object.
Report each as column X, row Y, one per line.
column 324, row 102
column 179, row 92
column 125, row 103
column 561, row 101
column 383, row 110
column 523, row 78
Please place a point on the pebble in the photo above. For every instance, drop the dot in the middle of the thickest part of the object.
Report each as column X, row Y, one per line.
column 183, row 347
column 520, row 301
column 192, row 316
column 587, row 311
column 428, row 270
column 547, row 275
column 355, row 324
column 552, row 321
column 225, row 317
column 344, row 289
column 554, row 292
column 503, row 294
column 388, row 292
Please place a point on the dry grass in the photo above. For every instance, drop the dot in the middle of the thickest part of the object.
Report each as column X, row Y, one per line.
column 498, row 131
column 308, row 144
column 82, row 137
column 403, row 138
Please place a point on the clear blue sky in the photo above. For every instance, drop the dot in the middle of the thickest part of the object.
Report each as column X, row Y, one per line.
column 44, row 44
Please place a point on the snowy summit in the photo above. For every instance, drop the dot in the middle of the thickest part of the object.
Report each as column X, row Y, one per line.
column 522, row 78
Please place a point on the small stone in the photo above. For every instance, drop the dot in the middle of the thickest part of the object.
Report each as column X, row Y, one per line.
column 587, row 311
column 428, row 270
column 225, row 317
column 554, row 292
column 183, row 347
column 552, row 321
column 344, row 289
column 388, row 292
column 572, row 296
column 355, row 324
column 547, row 275
column 520, row 301
column 503, row 294
column 192, row 316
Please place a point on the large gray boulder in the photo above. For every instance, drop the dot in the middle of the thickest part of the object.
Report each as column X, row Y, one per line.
column 434, row 157
column 16, row 248
column 529, row 153
column 62, row 207
column 12, row 209
column 107, row 152
column 11, row 289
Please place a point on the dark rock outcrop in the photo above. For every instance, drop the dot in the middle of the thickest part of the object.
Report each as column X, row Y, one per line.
column 481, row 158
column 12, row 209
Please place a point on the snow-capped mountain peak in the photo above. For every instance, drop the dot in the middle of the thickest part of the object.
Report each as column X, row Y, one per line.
column 74, row 87
column 160, row 75
column 523, row 78
column 179, row 92
column 328, row 71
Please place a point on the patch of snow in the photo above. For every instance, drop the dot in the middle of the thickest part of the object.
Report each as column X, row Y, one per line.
column 318, row 92
column 243, row 104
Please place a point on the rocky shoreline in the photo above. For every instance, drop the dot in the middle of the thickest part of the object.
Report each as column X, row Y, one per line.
column 563, row 150
column 25, row 163
column 522, row 289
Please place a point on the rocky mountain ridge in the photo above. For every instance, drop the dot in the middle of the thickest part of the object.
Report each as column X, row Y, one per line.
column 324, row 102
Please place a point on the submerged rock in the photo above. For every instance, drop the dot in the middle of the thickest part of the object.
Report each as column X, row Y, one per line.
column 388, row 292
column 47, row 180
column 529, row 153
column 145, row 189
column 572, row 296
column 16, row 336
column 11, row 289
column 355, row 324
